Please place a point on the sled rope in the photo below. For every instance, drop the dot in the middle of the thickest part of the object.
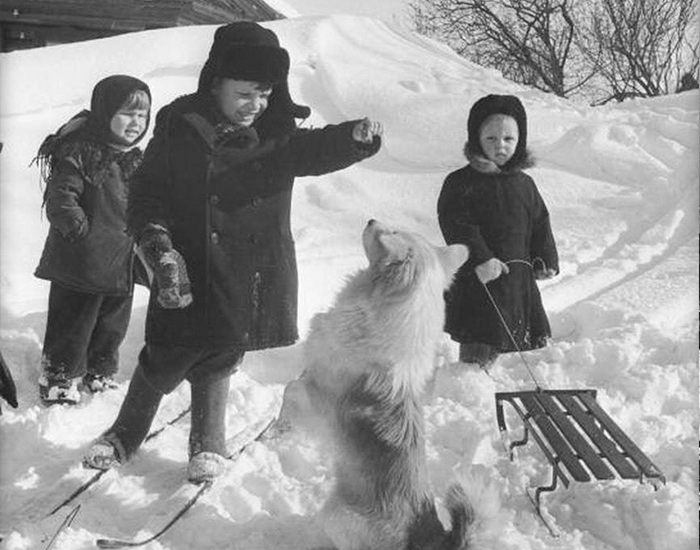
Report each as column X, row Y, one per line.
column 510, row 335
column 516, row 261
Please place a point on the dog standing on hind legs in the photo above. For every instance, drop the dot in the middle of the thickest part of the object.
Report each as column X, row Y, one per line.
column 366, row 362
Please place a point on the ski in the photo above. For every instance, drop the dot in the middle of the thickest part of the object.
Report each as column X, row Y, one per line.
column 236, row 445
column 63, row 526
column 99, row 473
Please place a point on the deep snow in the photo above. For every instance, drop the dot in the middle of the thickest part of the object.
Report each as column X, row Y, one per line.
column 621, row 183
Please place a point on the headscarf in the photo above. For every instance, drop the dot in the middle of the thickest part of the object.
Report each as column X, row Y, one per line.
column 91, row 129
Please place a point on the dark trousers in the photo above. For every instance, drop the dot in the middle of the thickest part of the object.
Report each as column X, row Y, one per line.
column 209, row 373
column 83, row 333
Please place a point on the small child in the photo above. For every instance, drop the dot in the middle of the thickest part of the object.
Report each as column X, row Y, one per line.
column 88, row 256
column 495, row 209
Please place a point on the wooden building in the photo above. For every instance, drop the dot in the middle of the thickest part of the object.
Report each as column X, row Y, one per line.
column 34, row 23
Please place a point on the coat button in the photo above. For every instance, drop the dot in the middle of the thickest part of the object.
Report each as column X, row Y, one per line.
column 214, row 237
column 253, row 239
column 257, row 165
column 214, row 199
column 257, row 201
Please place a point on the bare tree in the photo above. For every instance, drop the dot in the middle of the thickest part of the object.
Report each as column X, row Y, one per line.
column 646, row 45
column 530, row 41
column 602, row 49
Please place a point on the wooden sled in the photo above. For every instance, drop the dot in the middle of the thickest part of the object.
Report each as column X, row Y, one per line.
column 578, row 438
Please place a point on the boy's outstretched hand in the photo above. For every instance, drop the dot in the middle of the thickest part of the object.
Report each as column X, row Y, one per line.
column 366, row 130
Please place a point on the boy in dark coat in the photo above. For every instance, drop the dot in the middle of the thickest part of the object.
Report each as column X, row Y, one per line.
column 88, row 256
column 495, row 209
column 216, row 187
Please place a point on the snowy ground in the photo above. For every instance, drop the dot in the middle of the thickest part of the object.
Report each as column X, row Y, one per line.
column 622, row 185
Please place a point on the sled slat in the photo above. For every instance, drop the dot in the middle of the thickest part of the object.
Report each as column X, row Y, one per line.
column 630, row 448
column 586, row 420
column 561, row 448
column 563, row 421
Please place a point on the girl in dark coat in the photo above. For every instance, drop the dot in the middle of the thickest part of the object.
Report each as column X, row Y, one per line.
column 495, row 209
column 215, row 190
column 88, row 256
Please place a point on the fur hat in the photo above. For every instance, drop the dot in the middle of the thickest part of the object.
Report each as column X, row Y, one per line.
column 248, row 51
column 502, row 105
column 254, row 62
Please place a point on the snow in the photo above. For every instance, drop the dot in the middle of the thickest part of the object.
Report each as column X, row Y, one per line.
column 621, row 182
column 284, row 8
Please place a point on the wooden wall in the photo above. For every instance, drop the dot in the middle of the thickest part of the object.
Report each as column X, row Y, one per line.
column 33, row 23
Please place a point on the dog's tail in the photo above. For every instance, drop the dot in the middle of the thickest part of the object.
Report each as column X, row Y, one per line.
column 463, row 519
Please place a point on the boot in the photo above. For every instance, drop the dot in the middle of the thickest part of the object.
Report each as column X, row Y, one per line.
column 134, row 420
column 208, row 431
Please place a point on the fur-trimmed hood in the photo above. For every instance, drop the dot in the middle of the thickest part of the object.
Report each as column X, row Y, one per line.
column 486, row 166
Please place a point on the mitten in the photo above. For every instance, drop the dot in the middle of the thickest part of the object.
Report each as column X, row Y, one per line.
column 172, row 281
column 168, row 266
column 79, row 230
column 491, row 270
column 541, row 270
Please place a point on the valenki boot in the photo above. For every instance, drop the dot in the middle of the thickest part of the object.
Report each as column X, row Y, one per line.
column 208, row 430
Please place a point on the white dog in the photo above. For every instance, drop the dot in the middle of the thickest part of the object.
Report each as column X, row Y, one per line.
column 366, row 362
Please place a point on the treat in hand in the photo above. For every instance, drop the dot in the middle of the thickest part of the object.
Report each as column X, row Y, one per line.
column 366, row 130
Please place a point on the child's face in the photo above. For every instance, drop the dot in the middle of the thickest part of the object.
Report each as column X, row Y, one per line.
column 499, row 138
column 241, row 101
column 128, row 124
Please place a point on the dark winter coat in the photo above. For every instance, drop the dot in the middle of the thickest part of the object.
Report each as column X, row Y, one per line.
column 87, row 248
column 497, row 215
column 227, row 209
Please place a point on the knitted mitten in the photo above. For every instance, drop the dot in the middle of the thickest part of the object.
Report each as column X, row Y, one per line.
column 168, row 267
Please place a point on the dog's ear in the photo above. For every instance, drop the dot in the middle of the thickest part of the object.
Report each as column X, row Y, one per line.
column 392, row 248
column 452, row 257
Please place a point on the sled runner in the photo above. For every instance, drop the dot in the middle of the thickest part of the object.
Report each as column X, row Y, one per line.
column 572, row 430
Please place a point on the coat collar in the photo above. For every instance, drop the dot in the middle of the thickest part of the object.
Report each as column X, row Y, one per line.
column 485, row 166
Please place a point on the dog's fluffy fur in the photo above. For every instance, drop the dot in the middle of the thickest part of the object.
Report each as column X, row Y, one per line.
column 367, row 360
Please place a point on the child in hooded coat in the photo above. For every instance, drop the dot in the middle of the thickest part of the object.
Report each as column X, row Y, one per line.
column 88, row 256
column 216, row 187
column 495, row 209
